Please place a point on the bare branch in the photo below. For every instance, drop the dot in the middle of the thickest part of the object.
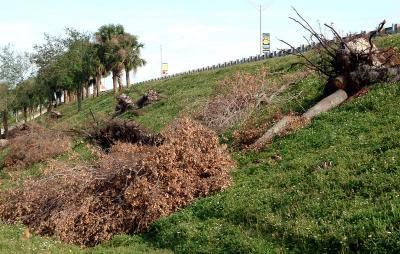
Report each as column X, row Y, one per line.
column 337, row 35
column 374, row 33
column 322, row 40
column 310, row 63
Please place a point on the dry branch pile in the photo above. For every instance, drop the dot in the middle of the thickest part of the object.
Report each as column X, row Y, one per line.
column 3, row 143
column 234, row 97
column 124, row 103
column 18, row 130
column 115, row 131
column 238, row 96
column 55, row 114
column 129, row 189
column 33, row 144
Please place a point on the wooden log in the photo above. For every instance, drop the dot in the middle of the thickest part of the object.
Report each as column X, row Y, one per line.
column 272, row 132
column 326, row 104
column 287, row 123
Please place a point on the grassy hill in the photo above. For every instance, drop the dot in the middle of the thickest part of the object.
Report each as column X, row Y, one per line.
column 331, row 187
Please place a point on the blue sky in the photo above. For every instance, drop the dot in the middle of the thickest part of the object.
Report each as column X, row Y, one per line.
column 193, row 33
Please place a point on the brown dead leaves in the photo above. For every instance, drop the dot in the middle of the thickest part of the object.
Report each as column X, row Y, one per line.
column 35, row 144
column 130, row 187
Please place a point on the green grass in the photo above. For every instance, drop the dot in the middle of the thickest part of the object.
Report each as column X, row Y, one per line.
column 12, row 241
column 299, row 205
column 389, row 41
column 334, row 190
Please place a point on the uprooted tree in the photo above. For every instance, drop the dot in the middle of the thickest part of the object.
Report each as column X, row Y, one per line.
column 349, row 64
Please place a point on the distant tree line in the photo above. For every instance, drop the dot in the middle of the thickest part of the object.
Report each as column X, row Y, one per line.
column 66, row 67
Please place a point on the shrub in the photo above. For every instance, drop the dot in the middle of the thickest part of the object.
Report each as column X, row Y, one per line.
column 237, row 97
column 130, row 187
column 275, row 103
column 234, row 97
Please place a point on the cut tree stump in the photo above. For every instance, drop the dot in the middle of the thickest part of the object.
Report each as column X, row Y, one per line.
column 149, row 97
column 124, row 103
column 4, row 143
column 55, row 114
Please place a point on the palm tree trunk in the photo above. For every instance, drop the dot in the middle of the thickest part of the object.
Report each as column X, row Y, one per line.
column 25, row 114
column 87, row 90
column 84, row 91
column 79, row 91
column 5, row 123
column 115, row 82
column 98, row 84
column 120, row 84
column 128, row 78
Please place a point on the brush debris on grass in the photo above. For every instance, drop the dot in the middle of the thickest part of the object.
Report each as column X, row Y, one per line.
column 114, row 131
column 32, row 144
column 131, row 187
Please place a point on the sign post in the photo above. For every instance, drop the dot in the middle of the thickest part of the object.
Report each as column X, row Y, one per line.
column 266, row 43
column 164, row 69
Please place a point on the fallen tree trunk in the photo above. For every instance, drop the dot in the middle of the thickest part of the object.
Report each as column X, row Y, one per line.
column 326, row 104
column 289, row 123
column 273, row 132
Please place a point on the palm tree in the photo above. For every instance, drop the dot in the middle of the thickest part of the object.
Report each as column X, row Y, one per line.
column 111, row 53
column 94, row 66
column 133, row 60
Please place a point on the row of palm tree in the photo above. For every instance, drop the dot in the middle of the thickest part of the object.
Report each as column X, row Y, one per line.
column 70, row 65
column 66, row 66
column 118, row 51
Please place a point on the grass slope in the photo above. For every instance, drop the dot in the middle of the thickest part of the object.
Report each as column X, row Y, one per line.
column 181, row 93
column 335, row 189
column 330, row 187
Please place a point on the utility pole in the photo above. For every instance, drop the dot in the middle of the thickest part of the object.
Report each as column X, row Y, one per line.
column 161, row 61
column 260, row 9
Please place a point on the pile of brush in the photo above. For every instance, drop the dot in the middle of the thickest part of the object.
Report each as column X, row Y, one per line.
column 127, row 190
column 111, row 132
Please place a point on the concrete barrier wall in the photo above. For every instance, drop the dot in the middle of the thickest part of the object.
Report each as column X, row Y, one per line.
column 394, row 29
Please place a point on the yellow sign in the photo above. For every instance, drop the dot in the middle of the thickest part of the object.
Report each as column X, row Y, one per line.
column 266, row 42
column 164, row 69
